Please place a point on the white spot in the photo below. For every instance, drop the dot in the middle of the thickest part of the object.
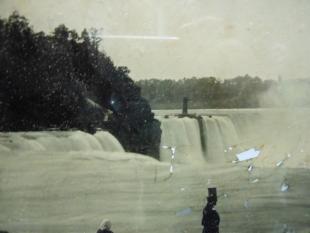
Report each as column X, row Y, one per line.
column 279, row 163
column 173, row 150
column 284, row 187
column 254, row 181
column 247, row 155
column 250, row 168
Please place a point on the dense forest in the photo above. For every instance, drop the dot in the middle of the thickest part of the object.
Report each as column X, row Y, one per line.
column 239, row 92
column 63, row 81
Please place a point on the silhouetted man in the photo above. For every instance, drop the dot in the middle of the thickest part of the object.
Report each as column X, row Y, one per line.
column 210, row 217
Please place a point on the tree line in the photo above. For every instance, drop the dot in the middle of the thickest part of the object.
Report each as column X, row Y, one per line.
column 210, row 92
column 61, row 80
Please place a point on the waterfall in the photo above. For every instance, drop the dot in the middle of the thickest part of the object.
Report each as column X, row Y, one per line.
column 183, row 134
column 209, row 138
column 218, row 133
column 220, row 137
column 59, row 141
column 214, row 143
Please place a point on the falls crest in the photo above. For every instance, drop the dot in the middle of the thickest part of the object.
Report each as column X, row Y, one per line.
column 218, row 134
column 59, row 141
column 183, row 134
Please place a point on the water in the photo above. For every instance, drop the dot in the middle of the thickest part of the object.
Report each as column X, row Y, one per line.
column 70, row 181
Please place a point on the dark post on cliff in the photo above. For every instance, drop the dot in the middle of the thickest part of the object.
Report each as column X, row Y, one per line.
column 185, row 106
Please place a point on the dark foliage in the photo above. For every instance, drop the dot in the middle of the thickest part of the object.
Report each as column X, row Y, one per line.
column 62, row 80
column 208, row 92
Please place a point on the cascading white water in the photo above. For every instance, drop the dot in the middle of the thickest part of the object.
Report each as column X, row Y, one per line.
column 218, row 132
column 183, row 134
column 64, row 141
column 220, row 135
column 213, row 140
column 228, row 131
column 275, row 133
column 225, row 134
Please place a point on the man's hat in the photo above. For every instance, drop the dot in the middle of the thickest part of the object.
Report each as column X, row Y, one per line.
column 212, row 194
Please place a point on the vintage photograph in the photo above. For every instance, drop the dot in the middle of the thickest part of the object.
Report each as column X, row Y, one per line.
column 145, row 116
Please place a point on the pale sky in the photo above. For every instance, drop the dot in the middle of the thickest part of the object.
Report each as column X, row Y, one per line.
column 221, row 38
